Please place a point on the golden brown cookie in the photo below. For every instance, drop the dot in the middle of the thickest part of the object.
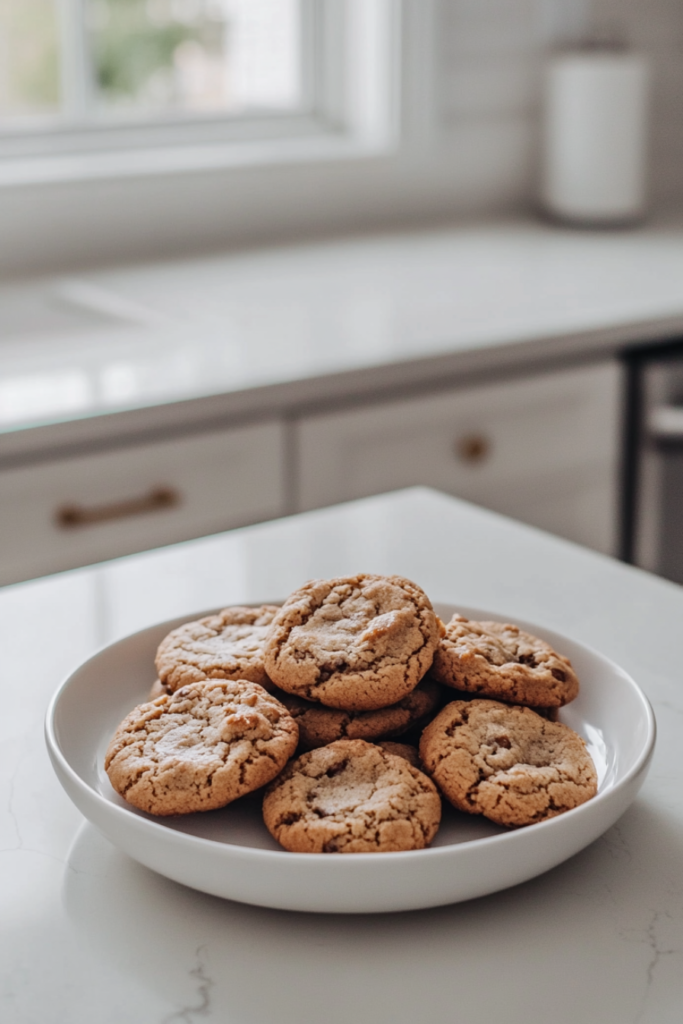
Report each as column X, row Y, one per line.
column 351, row 797
column 319, row 725
column 356, row 643
column 405, row 750
column 228, row 645
column 201, row 747
column 500, row 661
column 507, row 763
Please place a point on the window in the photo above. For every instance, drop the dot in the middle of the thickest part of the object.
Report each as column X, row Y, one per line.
column 358, row 142
column 91, row 76
column 93, row 61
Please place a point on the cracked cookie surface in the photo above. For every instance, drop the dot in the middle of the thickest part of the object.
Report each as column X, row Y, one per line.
column 201, row 747
column 507, row 763
column 352, row 797
column 228, row 645
column 357, row 643
column 319, row 725
column 501, row 661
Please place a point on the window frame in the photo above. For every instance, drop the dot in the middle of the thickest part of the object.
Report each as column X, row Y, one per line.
column 394, row 161
column 351, row 52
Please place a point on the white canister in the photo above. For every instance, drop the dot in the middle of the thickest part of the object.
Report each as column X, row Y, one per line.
column 594, row 145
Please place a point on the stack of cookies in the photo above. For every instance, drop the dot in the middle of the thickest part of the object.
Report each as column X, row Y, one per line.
column 335, row 675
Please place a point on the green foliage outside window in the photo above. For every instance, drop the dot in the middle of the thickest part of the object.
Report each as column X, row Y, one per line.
column 134, row 42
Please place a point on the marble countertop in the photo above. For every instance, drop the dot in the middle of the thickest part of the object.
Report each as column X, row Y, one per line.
column 87, row 935
column 253, row 333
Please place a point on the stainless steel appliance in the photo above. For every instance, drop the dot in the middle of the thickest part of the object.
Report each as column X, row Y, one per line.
column 652, row 535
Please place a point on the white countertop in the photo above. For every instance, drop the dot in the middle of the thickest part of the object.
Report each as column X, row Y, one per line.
column 89, row 937
column 252, row 333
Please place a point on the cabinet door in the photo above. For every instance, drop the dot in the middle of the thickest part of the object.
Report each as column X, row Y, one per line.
column 75, row 511
column 542, row 449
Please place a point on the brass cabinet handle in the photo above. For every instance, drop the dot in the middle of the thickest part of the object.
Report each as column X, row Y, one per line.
column 71, row 517
column 473, row 448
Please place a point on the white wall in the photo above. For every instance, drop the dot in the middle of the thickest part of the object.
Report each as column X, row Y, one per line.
column 656, row 28
column 489, row 65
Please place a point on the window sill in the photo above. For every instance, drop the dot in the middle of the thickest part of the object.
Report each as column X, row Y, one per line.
column 184, row 159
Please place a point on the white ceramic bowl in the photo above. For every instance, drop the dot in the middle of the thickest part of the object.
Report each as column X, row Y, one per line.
column 229, row 853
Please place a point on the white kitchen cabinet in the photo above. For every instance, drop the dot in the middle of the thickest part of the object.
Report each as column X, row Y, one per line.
column 72, row 511
column 543, row 449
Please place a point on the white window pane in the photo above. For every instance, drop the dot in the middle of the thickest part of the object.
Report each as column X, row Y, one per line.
column 266, row 54
column 29, row 59
column 202, row 56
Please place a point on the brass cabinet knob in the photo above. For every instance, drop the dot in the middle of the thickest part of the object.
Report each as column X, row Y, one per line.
column 473, row 449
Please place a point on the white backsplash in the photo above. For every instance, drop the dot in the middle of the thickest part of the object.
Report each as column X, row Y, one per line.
column 491, row 60
column 656, row 28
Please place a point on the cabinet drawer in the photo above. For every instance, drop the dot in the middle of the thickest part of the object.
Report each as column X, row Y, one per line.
column 75, row 511
column 543, row 449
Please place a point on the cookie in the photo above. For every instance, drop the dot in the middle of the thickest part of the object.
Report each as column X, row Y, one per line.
column 319, row 725
column 351, row 797
column 357, row 643
column 405, row 750
column 201, row 747
column 228, row 645
column 500, row 661
column 507, row 763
